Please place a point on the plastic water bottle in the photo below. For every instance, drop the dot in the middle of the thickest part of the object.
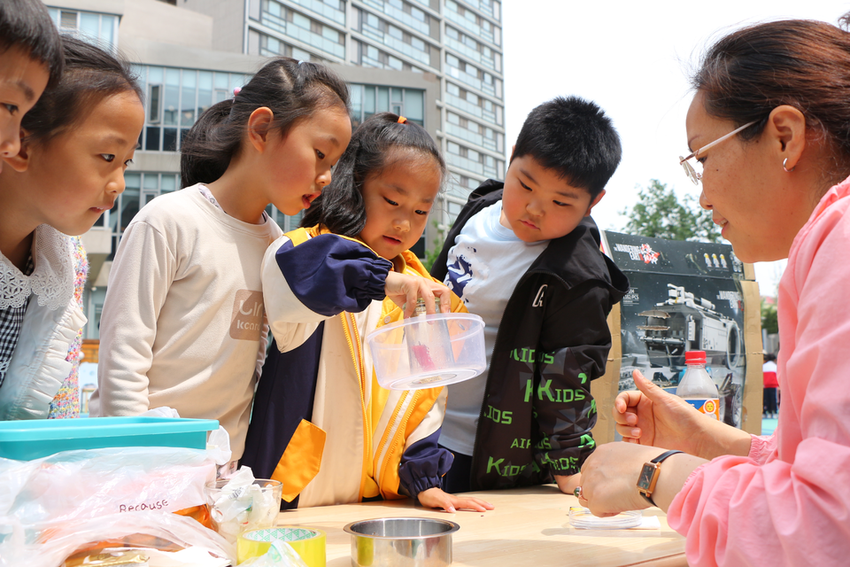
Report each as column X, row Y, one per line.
column 697, row 388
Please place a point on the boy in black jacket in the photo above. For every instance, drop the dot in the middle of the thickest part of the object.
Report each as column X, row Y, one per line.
column 524, row 254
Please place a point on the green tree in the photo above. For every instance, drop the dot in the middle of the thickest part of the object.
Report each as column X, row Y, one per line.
column 659, row 213
column 431, row 255
column 769, row 317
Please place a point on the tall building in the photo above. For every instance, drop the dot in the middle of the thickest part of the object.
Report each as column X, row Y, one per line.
column 437, row 62
column 458, row 41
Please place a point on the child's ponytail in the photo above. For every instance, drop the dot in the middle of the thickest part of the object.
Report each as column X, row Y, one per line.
column 340, row 207
column 196, row 166
column 293, row 90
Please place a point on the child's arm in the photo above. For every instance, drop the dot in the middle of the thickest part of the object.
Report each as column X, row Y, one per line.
column 422, row 467
column 576, row 340
column 329, row 274
column 141, row 274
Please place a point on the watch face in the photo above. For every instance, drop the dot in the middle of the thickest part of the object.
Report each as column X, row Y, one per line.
column 645, row 477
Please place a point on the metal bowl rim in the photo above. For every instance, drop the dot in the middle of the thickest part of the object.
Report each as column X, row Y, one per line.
column 453, row 527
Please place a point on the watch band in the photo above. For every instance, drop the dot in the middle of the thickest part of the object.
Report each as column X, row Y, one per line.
column 646, row 492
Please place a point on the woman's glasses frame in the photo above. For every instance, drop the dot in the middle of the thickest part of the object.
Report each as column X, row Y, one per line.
column 692, row 173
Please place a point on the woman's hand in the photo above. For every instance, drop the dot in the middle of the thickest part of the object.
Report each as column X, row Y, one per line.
column 609, row 478
column 437, row 498
column 651, row 416
column 406, row 289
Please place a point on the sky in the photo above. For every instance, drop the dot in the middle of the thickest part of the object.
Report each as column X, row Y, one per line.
column 634, row 59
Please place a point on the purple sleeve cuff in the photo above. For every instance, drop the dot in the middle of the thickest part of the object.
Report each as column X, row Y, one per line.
column 423, row 465
column 330, row 274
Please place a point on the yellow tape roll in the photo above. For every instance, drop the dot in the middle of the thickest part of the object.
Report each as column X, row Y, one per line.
column 307, row 542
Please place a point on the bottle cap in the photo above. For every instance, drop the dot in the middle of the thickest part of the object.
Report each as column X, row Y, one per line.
column 695, row 357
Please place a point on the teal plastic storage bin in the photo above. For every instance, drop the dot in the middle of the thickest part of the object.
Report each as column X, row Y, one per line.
column 28, row 440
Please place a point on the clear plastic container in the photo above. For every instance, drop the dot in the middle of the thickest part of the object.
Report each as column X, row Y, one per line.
column 697, row 388
column 581, row 518
column 426, row 351
column 236, row 507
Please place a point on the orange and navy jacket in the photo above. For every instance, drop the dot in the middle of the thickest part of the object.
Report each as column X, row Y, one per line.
column 321, row 424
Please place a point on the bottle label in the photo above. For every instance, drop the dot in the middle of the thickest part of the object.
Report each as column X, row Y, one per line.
column 708, row 406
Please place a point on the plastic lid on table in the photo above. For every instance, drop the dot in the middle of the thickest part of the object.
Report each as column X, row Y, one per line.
column 581, row 518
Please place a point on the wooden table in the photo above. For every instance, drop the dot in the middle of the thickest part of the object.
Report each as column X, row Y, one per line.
column 529, row 527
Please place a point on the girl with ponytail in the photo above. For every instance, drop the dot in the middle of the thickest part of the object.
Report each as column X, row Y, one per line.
column 183, row 323
column 321, row 422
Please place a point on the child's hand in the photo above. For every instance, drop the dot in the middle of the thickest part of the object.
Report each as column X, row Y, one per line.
column 436, row 498
column 405, row 289
column 567, row 483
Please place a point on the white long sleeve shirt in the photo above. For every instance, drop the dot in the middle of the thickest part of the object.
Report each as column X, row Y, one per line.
column 183, row 324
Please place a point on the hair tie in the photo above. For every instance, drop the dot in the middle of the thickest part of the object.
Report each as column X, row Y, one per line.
column 300, row 63
column 237, row 90
column 402, row 120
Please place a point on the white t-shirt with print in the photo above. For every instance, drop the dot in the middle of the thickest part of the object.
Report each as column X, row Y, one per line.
column 484, row 266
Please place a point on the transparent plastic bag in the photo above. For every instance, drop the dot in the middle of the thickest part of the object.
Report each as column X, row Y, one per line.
column 166, row 539
column 76, row 485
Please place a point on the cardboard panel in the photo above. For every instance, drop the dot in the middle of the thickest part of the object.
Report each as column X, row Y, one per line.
column 684, row 296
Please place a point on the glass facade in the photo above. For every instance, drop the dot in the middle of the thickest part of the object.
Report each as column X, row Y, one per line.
column 460, row 41
column 174, row 98
column 403, row 13
column 394, row 37
column 100, row 29
column 294, row 24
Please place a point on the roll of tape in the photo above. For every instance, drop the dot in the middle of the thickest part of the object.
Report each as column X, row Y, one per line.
column 307, row 542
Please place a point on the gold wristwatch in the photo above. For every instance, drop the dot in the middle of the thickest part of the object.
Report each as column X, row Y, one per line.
column 649, row 475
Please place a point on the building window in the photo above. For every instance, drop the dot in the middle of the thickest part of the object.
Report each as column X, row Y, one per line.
column 393, row 37
column 331, row 9
column 370, row 56
column 288, row 22
column 272, row 47
column 140, row 188
column 174, row 98
column 367, row 100
column 99, row 29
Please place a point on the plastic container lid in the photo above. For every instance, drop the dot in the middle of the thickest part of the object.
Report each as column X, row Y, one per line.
column 695, row 357
column 32, row 439
column 581, row 518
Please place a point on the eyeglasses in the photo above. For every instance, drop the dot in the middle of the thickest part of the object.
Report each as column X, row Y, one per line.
column 692, row 173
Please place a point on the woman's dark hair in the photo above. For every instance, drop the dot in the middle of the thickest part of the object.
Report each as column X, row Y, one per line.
column 292, row 89
column 340, row 207
column 91, row 75
column 26, row 24
column 800, row 63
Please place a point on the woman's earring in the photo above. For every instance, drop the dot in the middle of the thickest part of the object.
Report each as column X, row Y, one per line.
column 785, row 161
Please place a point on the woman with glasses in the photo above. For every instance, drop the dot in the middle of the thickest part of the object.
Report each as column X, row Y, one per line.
column 769, row 132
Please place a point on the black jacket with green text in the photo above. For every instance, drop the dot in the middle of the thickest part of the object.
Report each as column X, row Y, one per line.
column 553, row 339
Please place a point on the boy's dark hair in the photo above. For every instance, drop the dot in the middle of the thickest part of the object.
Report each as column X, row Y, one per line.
column 91, row 75
column 292, row 89
column 26, row 24
column 574, row 138
column 340, row 207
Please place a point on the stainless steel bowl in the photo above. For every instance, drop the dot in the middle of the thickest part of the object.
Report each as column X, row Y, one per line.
column 401, row 542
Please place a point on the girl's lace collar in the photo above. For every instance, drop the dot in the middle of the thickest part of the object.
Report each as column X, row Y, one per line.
column 52, row 280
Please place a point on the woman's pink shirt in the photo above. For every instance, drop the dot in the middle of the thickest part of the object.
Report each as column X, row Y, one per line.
column 788, row 501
